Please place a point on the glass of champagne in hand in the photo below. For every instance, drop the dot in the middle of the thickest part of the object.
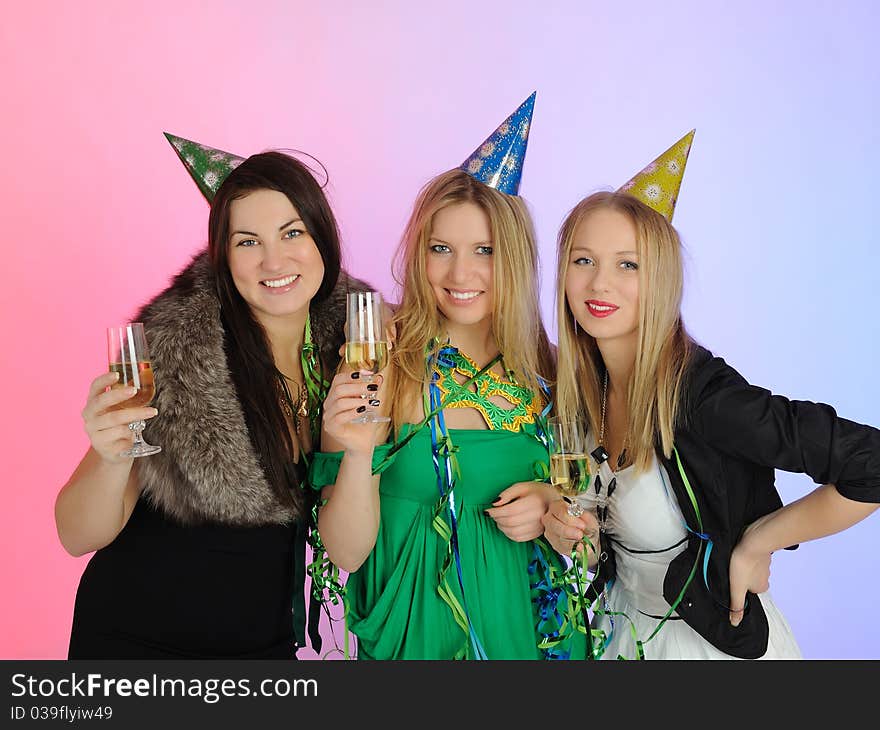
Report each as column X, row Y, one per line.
column 569, row 466
column 366, row 347
column 128, row 355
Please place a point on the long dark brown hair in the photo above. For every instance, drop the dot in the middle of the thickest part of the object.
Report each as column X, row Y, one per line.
column 248, row 354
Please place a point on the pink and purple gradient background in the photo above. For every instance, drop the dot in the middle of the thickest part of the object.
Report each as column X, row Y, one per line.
column 777, row 208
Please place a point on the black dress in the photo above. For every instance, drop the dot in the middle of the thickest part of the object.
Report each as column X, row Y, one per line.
column 162, row 590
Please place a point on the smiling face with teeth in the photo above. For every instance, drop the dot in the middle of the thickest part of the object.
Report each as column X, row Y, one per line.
column 460, row 266
column 602, row 277
column 273, row 259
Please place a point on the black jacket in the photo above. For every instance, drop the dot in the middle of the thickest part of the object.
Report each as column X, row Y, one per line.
column 733, row 437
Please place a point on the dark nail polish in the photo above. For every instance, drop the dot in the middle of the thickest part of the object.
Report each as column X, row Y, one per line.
column 372, row 386
column 355, row 375
column 374, row 402
column 361, row 409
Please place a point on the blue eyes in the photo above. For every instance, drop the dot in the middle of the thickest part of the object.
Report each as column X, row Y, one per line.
column 288, row 236
column 587, row 261
column 440, row 248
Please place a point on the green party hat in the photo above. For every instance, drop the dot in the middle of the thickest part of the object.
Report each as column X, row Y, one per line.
column 209, row 167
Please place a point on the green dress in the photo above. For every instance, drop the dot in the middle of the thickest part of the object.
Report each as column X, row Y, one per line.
column 394, row 607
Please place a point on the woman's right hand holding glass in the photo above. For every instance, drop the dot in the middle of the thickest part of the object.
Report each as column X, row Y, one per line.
column 563, row 531
column 348, row 398
column 106, row 418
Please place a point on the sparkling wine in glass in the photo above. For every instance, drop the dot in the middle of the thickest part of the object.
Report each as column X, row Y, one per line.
column 128, row 356
column 365, row 345
column 569, row 466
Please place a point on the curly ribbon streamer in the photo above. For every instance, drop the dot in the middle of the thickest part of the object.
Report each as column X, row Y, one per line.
column 546, row 581
column 549, row 590
column 327, row 587
column 704, row 540
column 317, row 386
column 551, row 585
column 600, row 641
column 446, row 468
column 326, row 584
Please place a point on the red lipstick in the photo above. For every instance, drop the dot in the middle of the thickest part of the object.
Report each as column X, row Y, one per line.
column 600, row 309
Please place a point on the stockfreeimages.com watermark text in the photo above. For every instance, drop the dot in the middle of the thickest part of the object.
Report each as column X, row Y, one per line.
column 209, row 690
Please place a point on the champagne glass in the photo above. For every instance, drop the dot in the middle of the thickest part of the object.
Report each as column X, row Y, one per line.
column 365, row 345
column 128, row 356
column 569, row 466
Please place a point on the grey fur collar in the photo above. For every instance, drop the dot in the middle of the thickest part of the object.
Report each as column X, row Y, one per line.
column 207, row 469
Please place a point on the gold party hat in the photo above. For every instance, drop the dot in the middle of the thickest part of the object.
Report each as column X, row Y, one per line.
column 657, row 185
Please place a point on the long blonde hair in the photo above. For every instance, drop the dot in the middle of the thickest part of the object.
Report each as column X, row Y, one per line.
column 519, row 334
column 654, row 391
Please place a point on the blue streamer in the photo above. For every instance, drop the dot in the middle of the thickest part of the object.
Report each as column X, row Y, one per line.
column 547, row 604
column 703, row 536
column 446, row 489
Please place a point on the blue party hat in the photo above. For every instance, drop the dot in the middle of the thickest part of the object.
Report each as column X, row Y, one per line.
column 209, row 167
column 498, row 162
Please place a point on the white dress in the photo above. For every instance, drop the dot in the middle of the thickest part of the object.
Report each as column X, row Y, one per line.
column 644, row 516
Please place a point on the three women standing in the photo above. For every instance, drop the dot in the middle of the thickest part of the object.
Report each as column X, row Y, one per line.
column 200, row 548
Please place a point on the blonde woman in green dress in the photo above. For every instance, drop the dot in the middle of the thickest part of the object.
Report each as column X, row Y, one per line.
column 440, row 541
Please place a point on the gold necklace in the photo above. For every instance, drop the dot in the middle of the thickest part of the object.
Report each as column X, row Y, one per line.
column 300, row 406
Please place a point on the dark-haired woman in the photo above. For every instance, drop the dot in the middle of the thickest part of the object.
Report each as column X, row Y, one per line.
column 200, row 548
